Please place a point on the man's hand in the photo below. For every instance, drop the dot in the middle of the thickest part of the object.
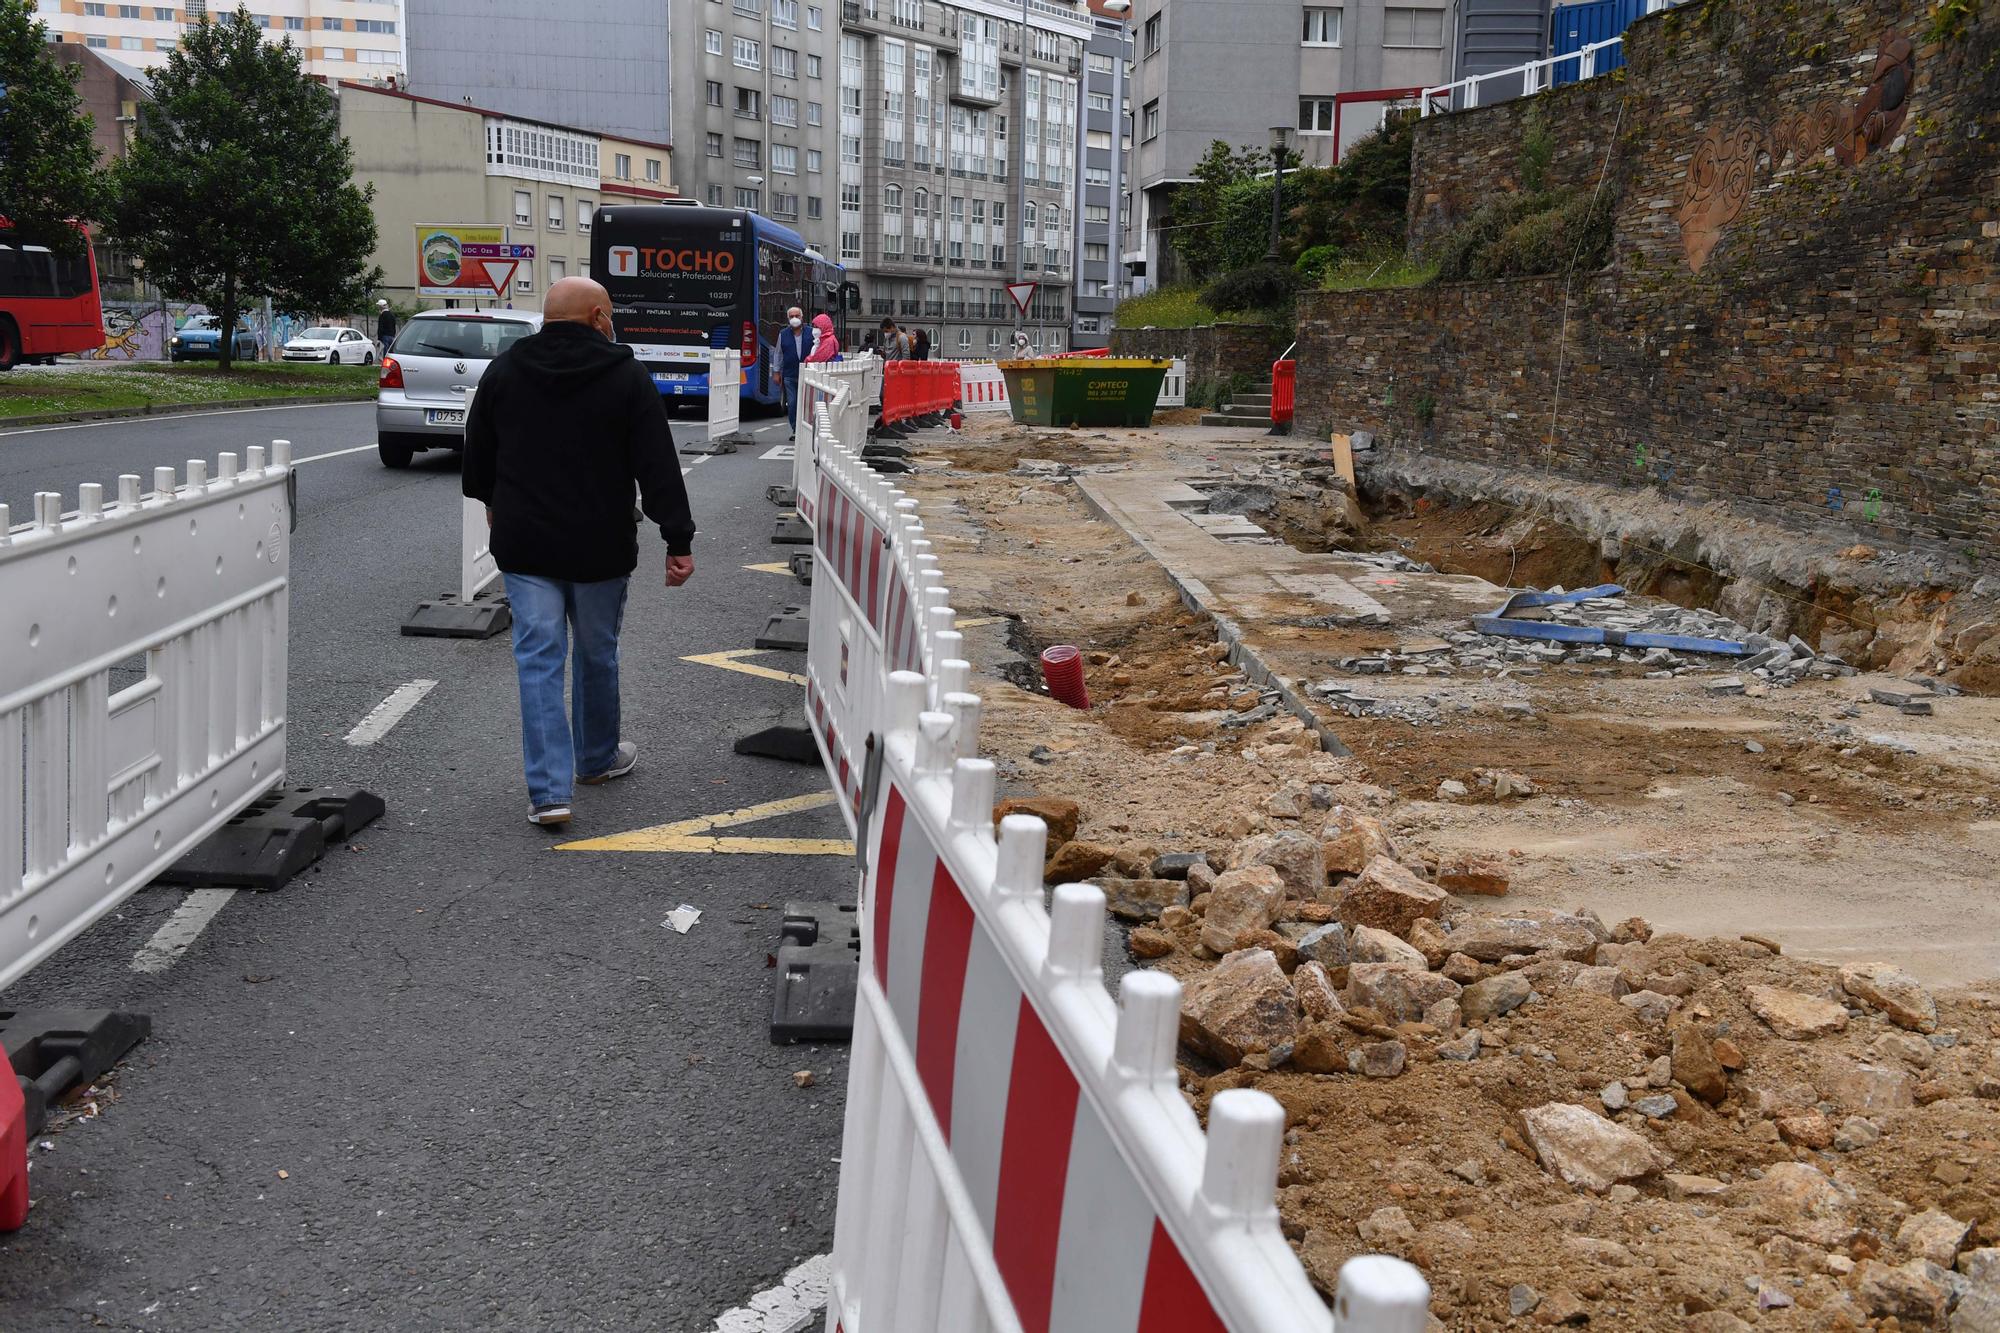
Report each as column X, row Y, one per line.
column 680, row 568
column 489, row 518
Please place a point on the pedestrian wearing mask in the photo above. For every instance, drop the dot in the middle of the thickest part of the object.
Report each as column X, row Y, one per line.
column 795, row 346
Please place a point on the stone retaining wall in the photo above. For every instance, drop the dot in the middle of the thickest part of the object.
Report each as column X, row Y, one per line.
column 1214, row 352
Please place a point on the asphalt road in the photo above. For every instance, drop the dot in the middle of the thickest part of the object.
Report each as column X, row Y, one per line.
column 452, row 1078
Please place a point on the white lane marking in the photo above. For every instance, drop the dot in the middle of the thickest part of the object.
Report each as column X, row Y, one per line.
column 181, row 416
column 183, row 928
column 779, row 453
column 389, row 712
column 790, row 1307
column 699, row 459
column 337, row 453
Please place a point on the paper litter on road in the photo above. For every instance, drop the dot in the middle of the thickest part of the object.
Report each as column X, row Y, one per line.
column 682, row 918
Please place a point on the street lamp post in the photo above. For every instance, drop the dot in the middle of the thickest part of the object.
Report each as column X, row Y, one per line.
column 1280, row 139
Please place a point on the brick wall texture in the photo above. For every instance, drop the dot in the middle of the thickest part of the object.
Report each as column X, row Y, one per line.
column 1802, row 311
column 1213, row 352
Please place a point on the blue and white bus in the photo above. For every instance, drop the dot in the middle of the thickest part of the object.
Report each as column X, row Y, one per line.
column 685, row 279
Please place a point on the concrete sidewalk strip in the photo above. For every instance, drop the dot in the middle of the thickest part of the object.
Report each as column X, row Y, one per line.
column 792, row 1306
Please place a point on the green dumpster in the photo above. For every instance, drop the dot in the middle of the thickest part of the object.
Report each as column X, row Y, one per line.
column 1084, row 390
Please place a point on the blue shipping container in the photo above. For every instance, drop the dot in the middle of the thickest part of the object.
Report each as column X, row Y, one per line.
column 1573, row 27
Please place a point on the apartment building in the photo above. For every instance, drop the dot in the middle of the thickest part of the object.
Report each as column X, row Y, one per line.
column 754, row 95
column 600, row 64
column 436, row 162
column 339, row 39
column 957, row 166
column 1234, row 69
column 1101, row 184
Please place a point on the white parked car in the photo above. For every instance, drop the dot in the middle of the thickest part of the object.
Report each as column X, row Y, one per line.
column 334, row 346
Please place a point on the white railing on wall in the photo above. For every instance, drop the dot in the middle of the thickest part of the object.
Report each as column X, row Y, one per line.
column 1017, row 1153
column 105, row 781
column 1530, row 78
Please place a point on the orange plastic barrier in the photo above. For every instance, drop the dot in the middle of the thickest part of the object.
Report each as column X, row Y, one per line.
column 1284, row 391
column 912, row 389
column 13, row 1151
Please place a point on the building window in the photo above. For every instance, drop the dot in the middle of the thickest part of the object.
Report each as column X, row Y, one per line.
column 333, row 54
column 714, row 145
column 747, row 52
column 556, row 212
column 558, row 270
column 1097, row 139
column 1322, row 27
column 815, row 114
column 749, row 103
column 524, row 206
column 165, row 14
column 812, row 67
column 131, row 44
column 524, row 278
column 332, row 25
column 1096, row 252
column 1099, row 63
column 784, row 62
column 715, row 196
column 621, row 166
column 784, row 110
column 1315, row 115
column 291, row 24
column 784, row 159
column 920, row 203
column 850, row 245
column 653, row 170
column 1098, row 213
column 749, row 153
column 97, row 43
column 714, row 93
column 1152, row 37
column 815, row 160
column 785, row 13
column 746, row 198
column 814, row 209
column 1150, row 120
column 714, row 39
column 384, row 26
column 585, row 210
column 1100, row 101
column 815, row 17
column 1413, row 27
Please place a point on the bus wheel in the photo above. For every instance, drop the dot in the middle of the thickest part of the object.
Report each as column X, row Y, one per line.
column 10, row 345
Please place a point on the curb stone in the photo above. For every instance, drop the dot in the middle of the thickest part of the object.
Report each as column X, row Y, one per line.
column 180, row 409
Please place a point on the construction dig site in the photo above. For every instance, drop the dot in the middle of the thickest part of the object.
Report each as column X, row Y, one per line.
column 1615, row 963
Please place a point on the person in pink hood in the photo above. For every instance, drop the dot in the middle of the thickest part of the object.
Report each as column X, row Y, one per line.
column 826, row 347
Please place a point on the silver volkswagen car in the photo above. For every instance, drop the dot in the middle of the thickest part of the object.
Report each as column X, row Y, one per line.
column 437, row 359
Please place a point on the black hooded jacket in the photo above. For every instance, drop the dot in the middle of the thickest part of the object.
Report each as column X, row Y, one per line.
column 564, row 422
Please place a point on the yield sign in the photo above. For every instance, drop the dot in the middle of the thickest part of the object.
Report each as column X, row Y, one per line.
column 499, row 273
column 1022, row 292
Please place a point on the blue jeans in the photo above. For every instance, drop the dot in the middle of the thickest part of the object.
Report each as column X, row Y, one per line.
column 546, row 612
column 792, row 400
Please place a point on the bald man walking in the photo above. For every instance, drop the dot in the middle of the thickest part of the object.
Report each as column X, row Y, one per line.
column 564, row 424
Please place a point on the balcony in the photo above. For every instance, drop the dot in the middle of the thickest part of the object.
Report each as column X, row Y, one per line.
column 954, row 310
column 934, row 310
column 909, row 308
column 881, row 305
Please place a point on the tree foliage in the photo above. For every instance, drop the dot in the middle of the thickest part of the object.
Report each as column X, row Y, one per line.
column 239, row 185
column 48, row 164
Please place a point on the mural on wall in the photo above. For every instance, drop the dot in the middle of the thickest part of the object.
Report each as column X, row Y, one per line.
column 1724, row 166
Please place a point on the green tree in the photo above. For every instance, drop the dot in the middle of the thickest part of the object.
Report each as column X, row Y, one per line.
column 239, row 184
column 48, row 164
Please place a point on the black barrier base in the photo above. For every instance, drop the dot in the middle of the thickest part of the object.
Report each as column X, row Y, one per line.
column 802, row 567
column 54, row 1050
column 819, row 971
column 726, row 445
column 448, row 617
column 888, row 467
column 792, row 531
column 787, row 630
column 782, row 496
column 890, row 450
column 276, row 838
column 794, row 745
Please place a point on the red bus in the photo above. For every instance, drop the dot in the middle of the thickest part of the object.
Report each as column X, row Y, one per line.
column 48, row 301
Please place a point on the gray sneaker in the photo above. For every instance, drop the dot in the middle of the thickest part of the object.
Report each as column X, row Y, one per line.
column 624, row 762
column 549, row 816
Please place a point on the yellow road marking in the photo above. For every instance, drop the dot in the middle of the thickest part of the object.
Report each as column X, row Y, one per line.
column 732, row 661
column 775, row 567
column 694, row 835
column 976, row 621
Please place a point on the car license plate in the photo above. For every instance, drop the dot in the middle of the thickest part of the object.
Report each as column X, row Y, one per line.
column 671, row 377
column 444, row 416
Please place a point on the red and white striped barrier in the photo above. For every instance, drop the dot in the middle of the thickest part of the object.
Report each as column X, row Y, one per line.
column 1017, row 1153
column 982, row 388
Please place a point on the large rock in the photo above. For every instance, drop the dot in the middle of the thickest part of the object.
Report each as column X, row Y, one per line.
column 1932, row 1235
column 1242, row 903
column 1378, row 1059
column 1584, row 1149
column 1493, row 997
column 1695, row 1065
column 1868, row 1087
column 1903, row 1293
column 1245, row 1005
column 1294, row 855
column 1075, row 862
column 1388, row 897
column 1059, row 814
column 1357, row 841
column 1472, row 873
column 1895, row 992
column 1794, row 1015
column 1317, row 996
column 1398, row 994
column 1490, row 939
column 1979, row 1295
column 1799, row 1201
column 1325, row 945
column 1370, row 945
column 1142, row 899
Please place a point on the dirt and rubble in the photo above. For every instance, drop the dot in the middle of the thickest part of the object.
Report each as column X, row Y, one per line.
column 1782, row 1109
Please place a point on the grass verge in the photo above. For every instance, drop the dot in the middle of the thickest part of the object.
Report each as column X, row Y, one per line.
column 39, row 392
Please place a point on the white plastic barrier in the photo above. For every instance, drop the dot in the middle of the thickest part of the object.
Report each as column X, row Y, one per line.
column 818, row 384
column 1173, row 389
column 477, row 570
column 103, row 786
column 982, row 388
column 725, row 394
column 1017, row 1154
